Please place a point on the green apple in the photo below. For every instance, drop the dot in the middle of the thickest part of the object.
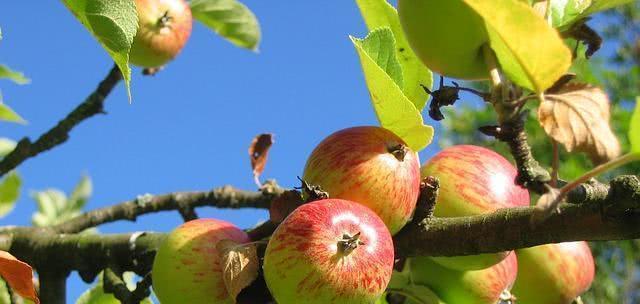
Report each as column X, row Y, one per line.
column 369, row 165
column 164, row 26
column 329, row 251
column 554, row 273
column 446, row 35
column 473, row 180
column 187, row 267
column 483, row 286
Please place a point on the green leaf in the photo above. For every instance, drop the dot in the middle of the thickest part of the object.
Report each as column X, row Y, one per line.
column 96, row 294
column 565, row 12
column 394, row 111
column 601, row 5
column 379, row 13
column 51, row 204
column 530, row 52
column 7, row 114
column 6, row 146
column 634, row 129
column 9, row 192
column 230, row 19
column 380, row 47
column 15, row 76
column 114, row 24
column 81, row 193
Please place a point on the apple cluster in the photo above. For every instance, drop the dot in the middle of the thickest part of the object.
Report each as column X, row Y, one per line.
column 340, row 250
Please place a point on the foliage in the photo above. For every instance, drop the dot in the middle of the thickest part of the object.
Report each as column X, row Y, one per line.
column 619, row 73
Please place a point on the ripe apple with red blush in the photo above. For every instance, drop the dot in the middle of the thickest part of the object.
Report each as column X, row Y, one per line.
column 329, row 251
column 554, row 273
column 484, row 286
column 473, row 180
column 187, row 266
column 369, row 165
column 164, row 26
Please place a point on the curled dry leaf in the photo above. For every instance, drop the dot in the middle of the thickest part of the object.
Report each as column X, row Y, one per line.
column 18, row 275
column 239, row 265
column 577, row 116
column 284, row 204
column 258, row 152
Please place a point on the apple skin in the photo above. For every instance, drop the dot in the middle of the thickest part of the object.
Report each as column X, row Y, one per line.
column 554, row 273
column 446, row 35
column 157, row 43
column 473, row 180
column 356, row 164
column 187, row 268
column 304, row 261
column 465, row 287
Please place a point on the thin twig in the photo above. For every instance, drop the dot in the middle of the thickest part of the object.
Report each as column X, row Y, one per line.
column 225, row 197
column 57, row 135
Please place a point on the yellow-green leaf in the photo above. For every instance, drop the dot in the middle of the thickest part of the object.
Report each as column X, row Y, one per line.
column 634, row 129
column 9, row 192
column 393, row 109
column 15, row 76
column 230, row 19
column 6, row 146
column 530, row 52
column 114, row 24
column 7, row 114
column 379, row 13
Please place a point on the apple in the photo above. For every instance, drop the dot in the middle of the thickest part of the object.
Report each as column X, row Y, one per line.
column 483, row 286
column 369, row 165
column 554, row 273
column 164, row 26
column 329, row 251
column 446, row 35
column 473, row 180
column 187, row 268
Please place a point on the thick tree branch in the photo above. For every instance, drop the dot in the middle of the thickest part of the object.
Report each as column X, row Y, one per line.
column 593, row 217
column 614, row 217
column 53, row 287
column 225, row 197
column 91, row 106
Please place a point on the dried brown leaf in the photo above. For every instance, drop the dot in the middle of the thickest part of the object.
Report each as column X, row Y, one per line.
column 18, row 275
column 258, row 152
column 284, row 204
column 239, row 265
column 577, row 116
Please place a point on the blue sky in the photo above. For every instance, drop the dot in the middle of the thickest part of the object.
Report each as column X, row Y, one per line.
column 189, row 127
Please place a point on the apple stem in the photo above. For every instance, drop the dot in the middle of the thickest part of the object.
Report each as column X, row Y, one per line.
column 349, row 243
column 399, row 151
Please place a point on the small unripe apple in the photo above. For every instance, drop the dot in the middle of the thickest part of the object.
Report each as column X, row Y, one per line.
column 473, row 180
column 369, row 165
column 554, row 273
column 483, row 286
column 164, row 26
column 446, row 35
column 329, row 251
column 187, row 267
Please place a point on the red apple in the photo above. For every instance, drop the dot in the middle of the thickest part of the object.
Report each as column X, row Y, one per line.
column 466, row 287
column 473, row 180
column 369, row 165
column 187, row 268
column 554, row 273
column 164, row 26
column 329, row 251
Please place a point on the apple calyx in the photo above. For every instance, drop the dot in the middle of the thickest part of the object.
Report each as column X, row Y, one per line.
column 349, row 243
column 399, row 151
column 165, row 20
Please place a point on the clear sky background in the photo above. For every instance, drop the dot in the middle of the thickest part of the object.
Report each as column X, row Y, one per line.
column 189, row 127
